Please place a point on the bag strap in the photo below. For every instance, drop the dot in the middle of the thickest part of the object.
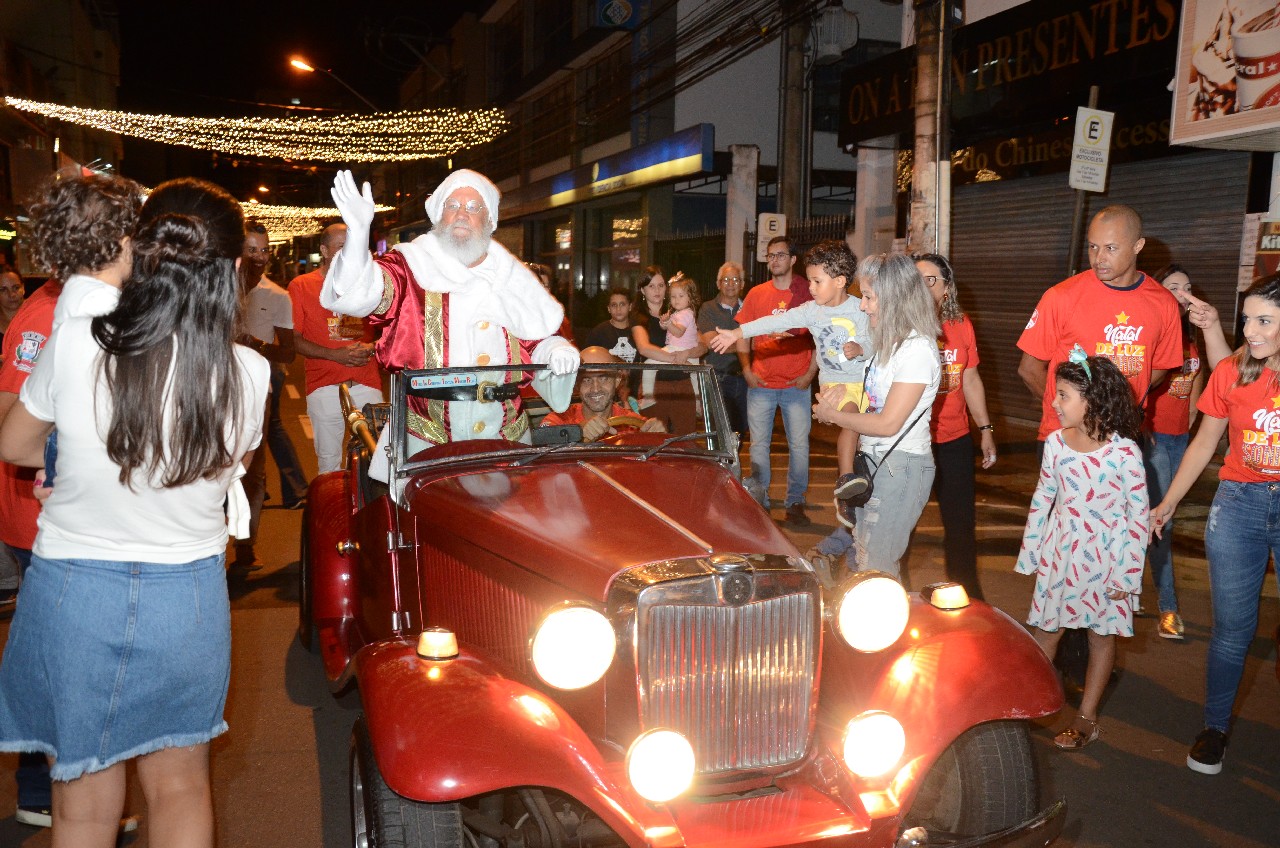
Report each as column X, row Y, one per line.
column 901, row 436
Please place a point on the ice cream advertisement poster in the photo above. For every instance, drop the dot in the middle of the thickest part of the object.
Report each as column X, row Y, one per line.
column 1226, row 92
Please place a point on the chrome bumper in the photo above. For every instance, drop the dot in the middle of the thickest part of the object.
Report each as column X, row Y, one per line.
column 1036, row 832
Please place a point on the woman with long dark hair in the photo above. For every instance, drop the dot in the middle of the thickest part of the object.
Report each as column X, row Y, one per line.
column 120, row 647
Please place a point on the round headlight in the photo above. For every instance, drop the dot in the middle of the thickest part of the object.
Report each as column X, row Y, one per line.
column 873, row 612
column 873, row 744
column 660, row 765
column 573, row 647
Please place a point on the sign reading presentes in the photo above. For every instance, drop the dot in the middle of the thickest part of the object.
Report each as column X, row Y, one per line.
column 1090, row 150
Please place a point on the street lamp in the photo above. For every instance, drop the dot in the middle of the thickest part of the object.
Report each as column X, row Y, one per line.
column 302, row 65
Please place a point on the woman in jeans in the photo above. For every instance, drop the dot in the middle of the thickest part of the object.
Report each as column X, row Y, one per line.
column 121, row 646
column 901, row 383
column 1241, row 531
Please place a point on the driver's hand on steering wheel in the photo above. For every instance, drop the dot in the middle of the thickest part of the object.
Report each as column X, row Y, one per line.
column 594, row 428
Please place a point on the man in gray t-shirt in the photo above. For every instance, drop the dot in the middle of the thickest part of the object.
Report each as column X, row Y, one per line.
column 721, row 313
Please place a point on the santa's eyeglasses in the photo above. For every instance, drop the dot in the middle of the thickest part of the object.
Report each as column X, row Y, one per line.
column 472, row 207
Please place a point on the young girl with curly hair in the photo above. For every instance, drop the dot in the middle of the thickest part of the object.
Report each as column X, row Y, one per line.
column 1087, row 530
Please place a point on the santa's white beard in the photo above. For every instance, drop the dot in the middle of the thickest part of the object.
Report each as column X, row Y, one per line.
column 468, row 249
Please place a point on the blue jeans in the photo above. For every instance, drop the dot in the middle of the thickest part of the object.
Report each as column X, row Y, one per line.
column 1243, row 528
column 734, row 390
column 886, row 522
column 797, row 416
column 1162, row 453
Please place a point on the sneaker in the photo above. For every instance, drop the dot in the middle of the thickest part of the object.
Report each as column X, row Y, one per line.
column 8, row 597
column 43, row 817
column 850, row 486
column 298, row 504
column 796, row 516
column 1170, row 626
column 844, row 513
column 1207, row 752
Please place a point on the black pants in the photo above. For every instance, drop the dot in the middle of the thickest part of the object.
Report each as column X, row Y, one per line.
column 953, row 485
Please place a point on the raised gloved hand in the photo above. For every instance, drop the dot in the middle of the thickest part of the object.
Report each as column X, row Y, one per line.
column 355, row 205
column 564, row 360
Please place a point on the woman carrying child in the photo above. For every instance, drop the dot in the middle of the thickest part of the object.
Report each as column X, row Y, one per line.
column 1087, row 529
column 839, row 328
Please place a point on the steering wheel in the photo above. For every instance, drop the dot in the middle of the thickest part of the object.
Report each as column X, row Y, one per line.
column 626, row 421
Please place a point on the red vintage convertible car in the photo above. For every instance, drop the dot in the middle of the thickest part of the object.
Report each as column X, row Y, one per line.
column 607, row 643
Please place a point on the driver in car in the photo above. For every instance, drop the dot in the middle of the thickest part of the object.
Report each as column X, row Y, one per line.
column 598, row 407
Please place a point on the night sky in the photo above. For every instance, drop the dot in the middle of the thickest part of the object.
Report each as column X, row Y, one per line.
column 227, row 58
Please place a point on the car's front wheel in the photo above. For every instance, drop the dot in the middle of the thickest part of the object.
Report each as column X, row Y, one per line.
column 382, row 819
column 986, row 781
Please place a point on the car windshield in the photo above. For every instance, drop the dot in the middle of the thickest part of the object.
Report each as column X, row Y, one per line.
column 643, row 411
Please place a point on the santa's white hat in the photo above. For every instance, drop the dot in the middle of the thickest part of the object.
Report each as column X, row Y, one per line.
column 464, row 178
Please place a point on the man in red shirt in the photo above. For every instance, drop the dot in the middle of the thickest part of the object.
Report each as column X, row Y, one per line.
column 782, row 367
column 1112, row 310
column 598, row 391
column 338, row 350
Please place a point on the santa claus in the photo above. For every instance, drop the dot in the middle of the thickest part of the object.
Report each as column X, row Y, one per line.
column 453, row 297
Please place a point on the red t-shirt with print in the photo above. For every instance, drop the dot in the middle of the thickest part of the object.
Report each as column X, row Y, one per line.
column 1253, row 422
column 1138, row 328
column 778, row 359
column 329, row 329
column 1169, row 410
column 23, row 341
column 958, row 350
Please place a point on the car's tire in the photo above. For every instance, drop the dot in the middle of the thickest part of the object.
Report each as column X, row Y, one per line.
column 382, row 819
column 986, row 781
column 306, row 615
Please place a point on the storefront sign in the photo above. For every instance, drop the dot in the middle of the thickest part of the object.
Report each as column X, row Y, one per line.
column 1227, row 86
column 1090, row 150
column 1016, row 68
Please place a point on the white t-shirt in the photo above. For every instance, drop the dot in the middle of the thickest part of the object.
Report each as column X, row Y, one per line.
column 915, row 361
column 90, row 514
column 266, row 307
column 84, row 297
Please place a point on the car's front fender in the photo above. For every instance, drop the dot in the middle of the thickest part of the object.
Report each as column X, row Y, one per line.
column 453, row 729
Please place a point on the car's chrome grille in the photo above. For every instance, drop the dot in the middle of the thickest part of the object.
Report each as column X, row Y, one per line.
column 736, row 680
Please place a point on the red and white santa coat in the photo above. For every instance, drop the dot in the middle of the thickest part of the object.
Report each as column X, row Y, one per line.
column 435, row 312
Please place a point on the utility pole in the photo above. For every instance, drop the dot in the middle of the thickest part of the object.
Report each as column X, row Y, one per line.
column 931, row 166
column 791, row 121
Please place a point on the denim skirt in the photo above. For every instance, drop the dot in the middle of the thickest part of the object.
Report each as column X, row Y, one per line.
column 109, row 660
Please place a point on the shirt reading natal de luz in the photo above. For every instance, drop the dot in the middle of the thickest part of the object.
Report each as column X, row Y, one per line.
column 1139, row 328
column 958, row 350
column 1253, row 422
column 92, row 515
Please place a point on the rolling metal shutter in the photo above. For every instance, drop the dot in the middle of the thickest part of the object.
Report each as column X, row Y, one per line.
column 1010, row 241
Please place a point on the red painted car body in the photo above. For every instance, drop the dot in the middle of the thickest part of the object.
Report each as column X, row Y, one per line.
column 723, row 633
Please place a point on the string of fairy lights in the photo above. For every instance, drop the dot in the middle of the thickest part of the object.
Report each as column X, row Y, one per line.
column 381, row 137
column 287, row 222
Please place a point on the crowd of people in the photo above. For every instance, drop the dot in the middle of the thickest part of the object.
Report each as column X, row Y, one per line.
column 143, row 378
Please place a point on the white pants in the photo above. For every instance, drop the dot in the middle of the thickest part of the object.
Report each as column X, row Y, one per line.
column 325, row 411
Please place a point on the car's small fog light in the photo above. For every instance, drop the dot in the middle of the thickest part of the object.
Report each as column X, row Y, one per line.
column 946, row 596
column 437, row 643
column 873, row 612
column 660, row 765
column 873, row 744
column 573, row 647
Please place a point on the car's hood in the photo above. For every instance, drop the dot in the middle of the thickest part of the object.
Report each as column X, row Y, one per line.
column 580, row 522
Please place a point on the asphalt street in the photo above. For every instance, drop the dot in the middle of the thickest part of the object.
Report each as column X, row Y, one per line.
column 280, row 773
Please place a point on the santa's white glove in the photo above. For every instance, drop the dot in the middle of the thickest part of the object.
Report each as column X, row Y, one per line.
column 356, row 207
column 564, row 360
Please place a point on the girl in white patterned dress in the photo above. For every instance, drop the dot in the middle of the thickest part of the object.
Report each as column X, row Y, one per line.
column 1087, row 530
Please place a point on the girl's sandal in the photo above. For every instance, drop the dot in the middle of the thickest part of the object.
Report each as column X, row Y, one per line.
column 1074, row 737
